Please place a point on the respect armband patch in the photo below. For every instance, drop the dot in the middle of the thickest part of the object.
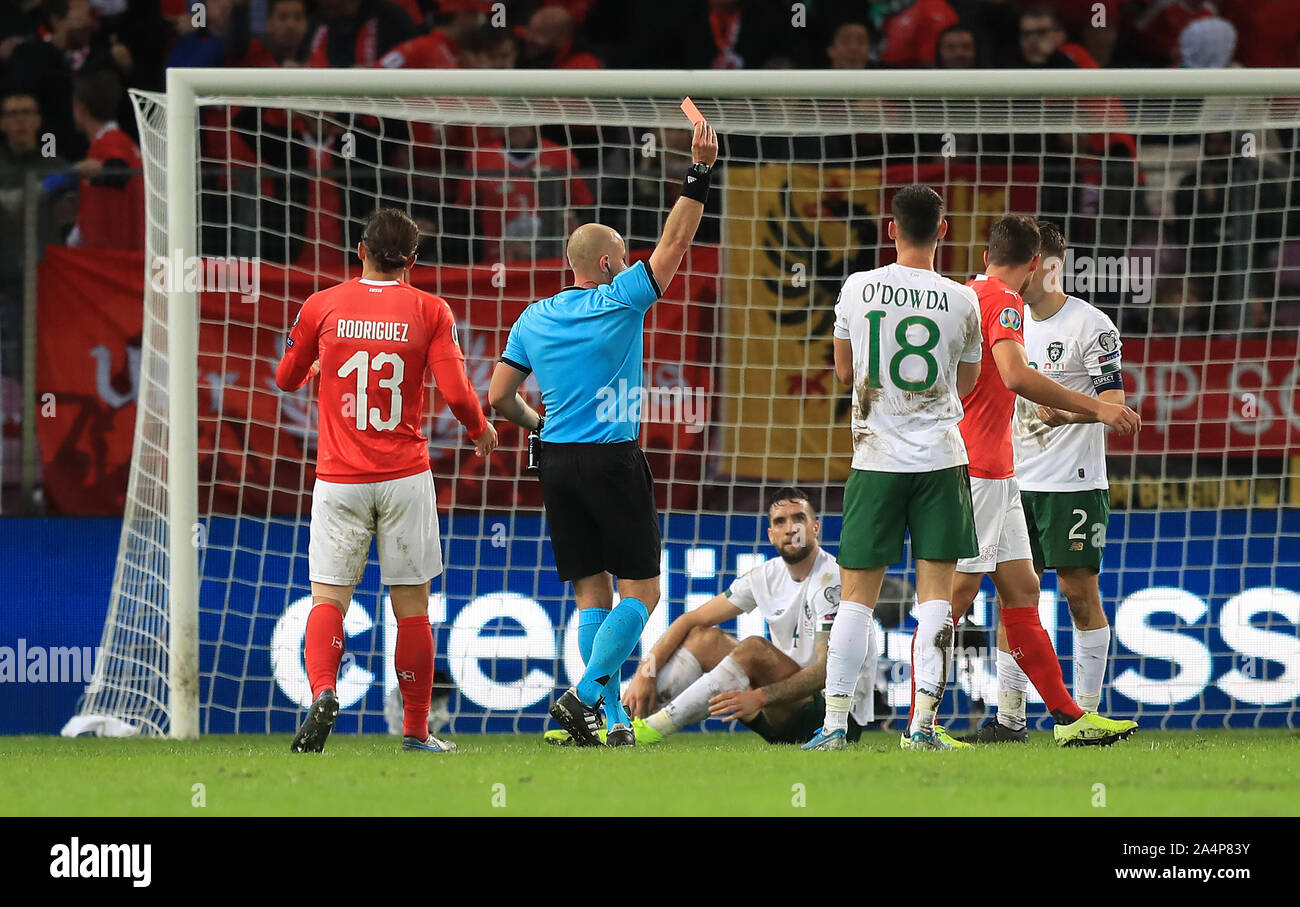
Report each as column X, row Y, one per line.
column 1112, row 381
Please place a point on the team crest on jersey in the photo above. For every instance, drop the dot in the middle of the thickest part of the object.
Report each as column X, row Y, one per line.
column 1010, row 318
column 1055, row 350
column 1109, row 341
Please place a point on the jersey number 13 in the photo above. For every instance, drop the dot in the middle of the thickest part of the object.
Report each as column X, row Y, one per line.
column 361, row 363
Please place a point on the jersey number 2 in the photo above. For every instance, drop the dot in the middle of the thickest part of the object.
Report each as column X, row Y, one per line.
column 361, row 363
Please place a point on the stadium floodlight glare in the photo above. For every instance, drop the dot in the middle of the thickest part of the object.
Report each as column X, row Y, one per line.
column 211, row 564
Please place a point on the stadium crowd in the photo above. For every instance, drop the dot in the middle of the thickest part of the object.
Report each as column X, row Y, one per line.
column 494, row 194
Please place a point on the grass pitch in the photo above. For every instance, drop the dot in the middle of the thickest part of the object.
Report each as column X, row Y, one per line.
column 1156, row 773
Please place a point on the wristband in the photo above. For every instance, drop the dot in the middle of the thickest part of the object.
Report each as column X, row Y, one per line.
column 696, row 184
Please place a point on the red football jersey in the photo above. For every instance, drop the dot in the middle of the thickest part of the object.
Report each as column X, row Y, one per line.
column 432, row 51
column 986, row 425
column 111, row 214
column 505, row 183
column 376, row 340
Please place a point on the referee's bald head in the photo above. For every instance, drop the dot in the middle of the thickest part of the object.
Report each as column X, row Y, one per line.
column 596, row 254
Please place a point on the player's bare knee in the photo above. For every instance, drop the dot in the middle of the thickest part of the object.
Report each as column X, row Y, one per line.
column 752, row 650
column 317, row 599
column 409, row 601
column 709, row 645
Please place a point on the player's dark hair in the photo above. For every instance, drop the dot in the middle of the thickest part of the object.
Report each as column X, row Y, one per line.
column 272, row 4
column 99, row 92
column 1051, row 240
column 790, row 493
column 918, row 211
column 390, row 239
column 1013, row 240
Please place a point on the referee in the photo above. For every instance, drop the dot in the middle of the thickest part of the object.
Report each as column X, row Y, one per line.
column 584, row 344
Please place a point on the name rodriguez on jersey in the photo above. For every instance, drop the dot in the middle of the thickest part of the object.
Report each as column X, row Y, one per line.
column 372, row 330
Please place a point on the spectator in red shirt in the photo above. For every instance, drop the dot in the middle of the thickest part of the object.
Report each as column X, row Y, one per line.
column 1044, row 42
column 285, row 43
column 528, row 179
column 1267, row 31
column 111, row 215
column 359, row 32
column 1162, row 21
column 549, row 42
column 1094, row 23
column 440, row 48
column 911, row 33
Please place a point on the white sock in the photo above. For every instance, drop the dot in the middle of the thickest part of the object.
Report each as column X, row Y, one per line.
column 1013, row 691
column 930, row 661
column 692, row 705
column 852, row 638
column 1091, row 649
column 680, row 671
column 868, row 674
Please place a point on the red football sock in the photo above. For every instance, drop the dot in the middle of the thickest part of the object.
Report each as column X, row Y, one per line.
column 413, row 659
column 323, row 647
column 1033, row 651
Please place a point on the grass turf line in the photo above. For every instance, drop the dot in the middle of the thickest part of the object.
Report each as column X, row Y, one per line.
column 1156, row 773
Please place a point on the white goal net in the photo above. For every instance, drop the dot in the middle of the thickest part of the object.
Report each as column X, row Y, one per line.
column 1177, row 199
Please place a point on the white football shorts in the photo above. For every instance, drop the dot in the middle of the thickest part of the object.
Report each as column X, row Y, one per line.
column 999, row 525
column 401, row 514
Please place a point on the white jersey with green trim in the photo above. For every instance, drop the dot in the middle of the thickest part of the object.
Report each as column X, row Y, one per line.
column 909, row 327
column 1079, row 348
column 797, row 610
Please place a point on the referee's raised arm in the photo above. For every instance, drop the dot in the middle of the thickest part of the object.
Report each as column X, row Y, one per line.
column 684, row 219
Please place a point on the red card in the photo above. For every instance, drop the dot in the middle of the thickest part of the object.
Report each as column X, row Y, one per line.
column 692, row 112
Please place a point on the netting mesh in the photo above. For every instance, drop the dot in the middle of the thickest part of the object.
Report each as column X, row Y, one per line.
column 1181, row 225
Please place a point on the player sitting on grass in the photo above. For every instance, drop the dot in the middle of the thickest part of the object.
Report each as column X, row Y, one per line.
column 1004, row 550
column 773, row 688
column 373, row 339
column 1061, row 470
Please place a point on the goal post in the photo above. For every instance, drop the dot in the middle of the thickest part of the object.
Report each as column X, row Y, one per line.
column 161, row 671
column 182, row 412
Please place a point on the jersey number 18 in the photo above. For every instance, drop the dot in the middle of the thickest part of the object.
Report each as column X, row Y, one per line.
column 906, row 348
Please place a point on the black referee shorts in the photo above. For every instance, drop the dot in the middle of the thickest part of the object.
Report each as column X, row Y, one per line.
column 600, row 504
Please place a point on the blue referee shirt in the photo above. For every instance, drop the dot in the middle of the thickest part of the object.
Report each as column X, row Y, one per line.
column 585, row 348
